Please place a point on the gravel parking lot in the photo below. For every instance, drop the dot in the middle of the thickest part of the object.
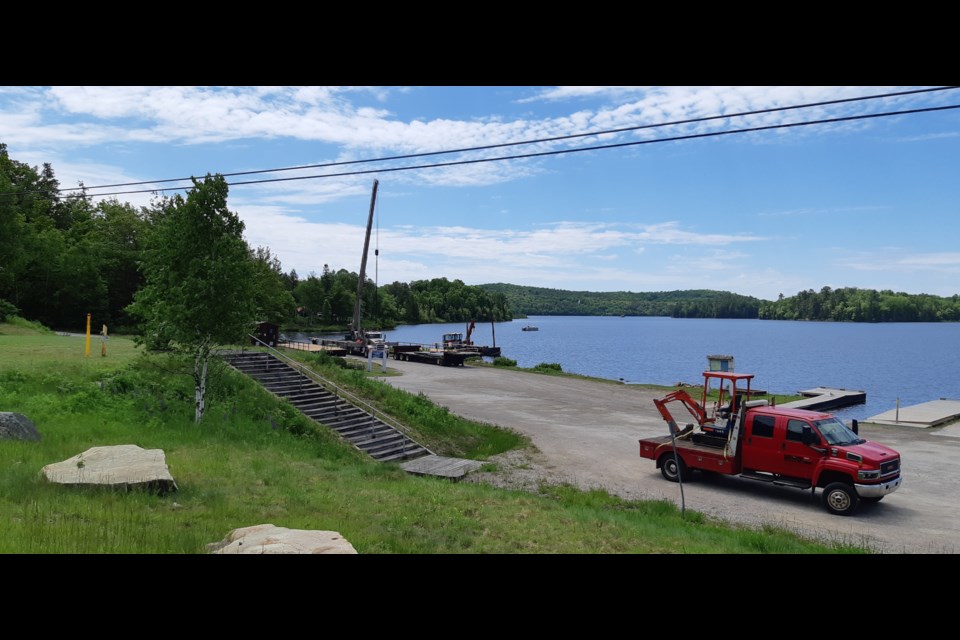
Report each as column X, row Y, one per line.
column 586, row 432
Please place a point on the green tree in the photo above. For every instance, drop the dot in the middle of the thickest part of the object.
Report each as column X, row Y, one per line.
column 200, row 284
column 311, row 295
column 11, row 227
column 119, row 228
column 274, row 302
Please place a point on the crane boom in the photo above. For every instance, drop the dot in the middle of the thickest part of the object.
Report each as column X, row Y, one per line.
column 357, row 332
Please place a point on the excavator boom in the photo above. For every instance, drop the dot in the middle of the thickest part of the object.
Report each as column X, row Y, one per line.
column 691, row 405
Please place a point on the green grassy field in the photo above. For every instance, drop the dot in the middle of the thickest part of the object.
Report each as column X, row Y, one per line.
column 255, row 460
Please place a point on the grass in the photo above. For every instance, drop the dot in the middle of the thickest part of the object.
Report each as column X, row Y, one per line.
column 256, row 460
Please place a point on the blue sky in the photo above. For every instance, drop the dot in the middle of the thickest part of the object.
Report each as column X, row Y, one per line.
column 872, row 203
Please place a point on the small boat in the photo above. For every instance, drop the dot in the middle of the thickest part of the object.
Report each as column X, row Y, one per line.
column 530, row 327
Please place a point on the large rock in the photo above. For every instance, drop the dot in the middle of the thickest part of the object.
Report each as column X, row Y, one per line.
column 267, row 538
column 121, row 466
column 16, row 426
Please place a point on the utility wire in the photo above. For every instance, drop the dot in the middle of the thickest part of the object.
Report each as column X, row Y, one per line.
column 556, row 152
column 534, row 141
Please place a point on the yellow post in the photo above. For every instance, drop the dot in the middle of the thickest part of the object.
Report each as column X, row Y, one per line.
column 103, row 341
column 88, row 336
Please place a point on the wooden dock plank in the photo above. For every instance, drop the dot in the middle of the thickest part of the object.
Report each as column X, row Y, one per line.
column 313, row 348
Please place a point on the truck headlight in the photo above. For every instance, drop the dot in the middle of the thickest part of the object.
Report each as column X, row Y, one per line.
column 868, row 474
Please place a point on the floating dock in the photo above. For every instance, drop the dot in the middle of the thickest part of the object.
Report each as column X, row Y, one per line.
column 924, row 415
column 822, row 398
column 309, row 346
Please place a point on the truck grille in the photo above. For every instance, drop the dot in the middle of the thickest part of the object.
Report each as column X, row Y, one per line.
column 890, row 467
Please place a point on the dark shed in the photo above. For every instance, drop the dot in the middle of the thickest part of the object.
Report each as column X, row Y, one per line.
column 266, row 332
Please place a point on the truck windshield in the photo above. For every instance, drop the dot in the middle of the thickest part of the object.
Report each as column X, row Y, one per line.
column 837, row 433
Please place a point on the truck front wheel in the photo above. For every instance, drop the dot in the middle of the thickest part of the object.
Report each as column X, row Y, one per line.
column 673, row 468
column 840, row 498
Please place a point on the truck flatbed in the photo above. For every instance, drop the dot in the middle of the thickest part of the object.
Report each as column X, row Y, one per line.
column 699, row 455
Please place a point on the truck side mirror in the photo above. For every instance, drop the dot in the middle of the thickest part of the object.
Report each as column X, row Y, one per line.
column 807, row 436
column 855, row 426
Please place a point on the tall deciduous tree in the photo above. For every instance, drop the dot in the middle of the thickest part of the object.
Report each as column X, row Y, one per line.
column 274, row 302
column 200, row 283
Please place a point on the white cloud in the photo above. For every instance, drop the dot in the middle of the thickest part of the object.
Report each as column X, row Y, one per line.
column 670, row 233
column 338, row 116
column 931, row 260
column 569, row 92
column 898, row 260
column 70, row 174
column 944, row 135
column 831, row 211
column 570, row 251
column 199, row 114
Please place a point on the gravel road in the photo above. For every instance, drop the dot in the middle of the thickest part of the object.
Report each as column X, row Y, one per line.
column 585, row 433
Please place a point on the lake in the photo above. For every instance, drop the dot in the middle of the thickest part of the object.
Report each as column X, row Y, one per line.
column 915, row 362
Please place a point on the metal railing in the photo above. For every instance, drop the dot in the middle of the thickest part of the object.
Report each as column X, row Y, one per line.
column 341, row 393
column 296, row 345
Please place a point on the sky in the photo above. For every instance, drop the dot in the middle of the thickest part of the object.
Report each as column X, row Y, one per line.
column 872, row 203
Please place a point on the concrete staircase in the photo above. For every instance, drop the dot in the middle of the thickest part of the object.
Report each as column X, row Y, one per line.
column 358, row 426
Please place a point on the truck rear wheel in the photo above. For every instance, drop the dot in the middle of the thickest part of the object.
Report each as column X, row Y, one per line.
column 840, row 498
column 673, row 468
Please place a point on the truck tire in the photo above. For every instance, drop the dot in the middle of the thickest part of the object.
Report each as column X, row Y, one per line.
column 840, row 498
column 674, row 469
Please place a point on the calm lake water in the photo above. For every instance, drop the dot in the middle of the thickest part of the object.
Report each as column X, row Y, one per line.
column 915, row 362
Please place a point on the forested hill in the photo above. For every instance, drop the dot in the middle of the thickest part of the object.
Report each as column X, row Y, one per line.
column 837, row 305
column 850, row 304
column 697, row 303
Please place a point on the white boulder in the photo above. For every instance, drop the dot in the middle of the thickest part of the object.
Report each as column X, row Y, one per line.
column 267, row 538
column 125, row 465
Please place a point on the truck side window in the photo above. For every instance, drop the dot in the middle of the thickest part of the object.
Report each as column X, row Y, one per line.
column 763, row 426
column 795, row 430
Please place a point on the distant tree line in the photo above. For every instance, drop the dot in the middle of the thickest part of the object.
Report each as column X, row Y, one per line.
column 862, row 305
column 695, row 303
column 841, row 305
column 328, row 300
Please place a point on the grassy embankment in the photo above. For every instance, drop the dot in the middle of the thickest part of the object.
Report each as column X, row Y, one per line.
column 256, row 460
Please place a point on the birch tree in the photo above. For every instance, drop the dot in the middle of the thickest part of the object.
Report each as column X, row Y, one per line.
column 199, row 279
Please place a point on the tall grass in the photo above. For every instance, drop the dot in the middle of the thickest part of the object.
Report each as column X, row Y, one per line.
column 255, row 460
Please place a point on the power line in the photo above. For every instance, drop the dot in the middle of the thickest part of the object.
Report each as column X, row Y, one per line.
column 540, row 154
column 523, row 142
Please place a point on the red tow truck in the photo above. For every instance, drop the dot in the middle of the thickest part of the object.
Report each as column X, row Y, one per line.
column 755, row 439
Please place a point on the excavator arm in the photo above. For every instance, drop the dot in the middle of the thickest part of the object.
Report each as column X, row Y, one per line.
column 691, row 405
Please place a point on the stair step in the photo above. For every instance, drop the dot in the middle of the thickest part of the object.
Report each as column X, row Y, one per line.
column 363, row 430
column 404, row 455
column 368, row 432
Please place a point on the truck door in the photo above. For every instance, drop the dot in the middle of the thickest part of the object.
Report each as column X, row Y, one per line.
column 798, row 458
column 760, row 451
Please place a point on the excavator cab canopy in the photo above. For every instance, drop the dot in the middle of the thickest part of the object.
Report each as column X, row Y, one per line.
column 732, row 389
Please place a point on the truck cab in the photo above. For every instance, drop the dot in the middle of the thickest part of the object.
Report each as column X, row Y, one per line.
column 810, row 449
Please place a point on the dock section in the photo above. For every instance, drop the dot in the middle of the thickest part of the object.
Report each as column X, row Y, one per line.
column 312, row 347
column 823, row 398
column 924, row 415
